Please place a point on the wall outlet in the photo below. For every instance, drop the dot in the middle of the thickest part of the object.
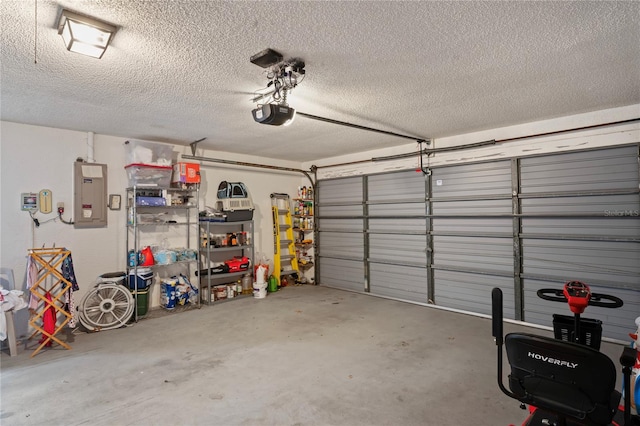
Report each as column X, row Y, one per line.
column 60, row 207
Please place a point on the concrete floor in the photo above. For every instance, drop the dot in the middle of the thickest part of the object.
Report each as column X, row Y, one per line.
column 306, row 355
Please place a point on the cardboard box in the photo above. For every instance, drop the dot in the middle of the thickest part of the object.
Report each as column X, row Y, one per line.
column 186, row 173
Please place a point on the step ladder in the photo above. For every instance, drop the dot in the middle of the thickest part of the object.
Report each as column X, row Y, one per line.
column 285, row 259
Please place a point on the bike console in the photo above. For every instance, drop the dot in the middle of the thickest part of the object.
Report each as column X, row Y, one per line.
column 578, row 295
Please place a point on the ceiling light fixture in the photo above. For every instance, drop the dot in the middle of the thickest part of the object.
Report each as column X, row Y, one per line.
column 85, row 35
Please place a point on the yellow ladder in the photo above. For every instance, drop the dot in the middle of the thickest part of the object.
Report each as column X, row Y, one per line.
column 285, row 260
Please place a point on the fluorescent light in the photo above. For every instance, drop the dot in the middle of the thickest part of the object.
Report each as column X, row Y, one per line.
column 85, row 35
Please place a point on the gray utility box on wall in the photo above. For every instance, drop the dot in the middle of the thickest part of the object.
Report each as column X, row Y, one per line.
column 90, row 195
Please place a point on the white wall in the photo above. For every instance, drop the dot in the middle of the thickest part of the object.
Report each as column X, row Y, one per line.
column 585, row 139
column 34, row 158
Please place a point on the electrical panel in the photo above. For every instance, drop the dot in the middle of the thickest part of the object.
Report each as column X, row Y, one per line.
column 90, row 195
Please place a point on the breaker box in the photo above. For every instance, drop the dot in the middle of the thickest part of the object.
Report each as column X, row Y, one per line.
column 90, row 195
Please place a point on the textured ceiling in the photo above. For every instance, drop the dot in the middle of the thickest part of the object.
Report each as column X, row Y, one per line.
column 179, row 70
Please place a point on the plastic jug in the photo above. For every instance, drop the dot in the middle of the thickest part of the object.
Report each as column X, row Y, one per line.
column 273, row 284
column 247, row 285
column 261, row 274
column 146, row 257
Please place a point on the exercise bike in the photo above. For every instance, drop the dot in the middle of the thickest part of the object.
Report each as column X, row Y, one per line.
column 565, row 380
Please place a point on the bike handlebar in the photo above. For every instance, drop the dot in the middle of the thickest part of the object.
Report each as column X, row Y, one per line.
column 597, row 299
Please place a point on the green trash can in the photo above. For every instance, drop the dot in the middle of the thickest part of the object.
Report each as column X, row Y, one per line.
column 142, row 305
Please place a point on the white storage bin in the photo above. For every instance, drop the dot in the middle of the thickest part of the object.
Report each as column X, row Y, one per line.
column 152, row 153
column 149, row 175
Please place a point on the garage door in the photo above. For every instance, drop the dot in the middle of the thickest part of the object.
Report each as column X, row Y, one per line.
column 518, row 224
column 341, row 234
column 473, row 235
column 397, row 234
column 580, row 221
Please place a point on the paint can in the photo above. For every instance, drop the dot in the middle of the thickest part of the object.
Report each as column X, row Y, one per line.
column 221, row 292
column 259, row 290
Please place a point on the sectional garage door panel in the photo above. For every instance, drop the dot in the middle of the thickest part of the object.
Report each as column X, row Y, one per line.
column 341, row 245
column 610, row 216
column 343, row 274
column 405, row 283
column 342, row 210
column 489, row 255
column 404, row 226
column 616, row 322
column 338, row 191
column 398, row 249
column 340, row 225
column 580, row 222
column 473, row 226
column 472, row 180
column 472, row 292
column 472, row 232
column 604, row 205
column 473, row 207
column 403, row 209
column 398, row 186
column 593, row 228
column 614, row 264
column 583, row 238
column 605, row 169
column 397, row 235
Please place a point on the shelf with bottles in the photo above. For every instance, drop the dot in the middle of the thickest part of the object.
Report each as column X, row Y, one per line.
column 305, row 258
column 303, row 223
column 303, row 212
column 212, row 284
column 162, row 235
column 160, row 265
column 303, row 238
column 303, row 208
column 303, row 204
column 226, row 292
column 226, row 253
column 304, row 193
column 228, row 241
